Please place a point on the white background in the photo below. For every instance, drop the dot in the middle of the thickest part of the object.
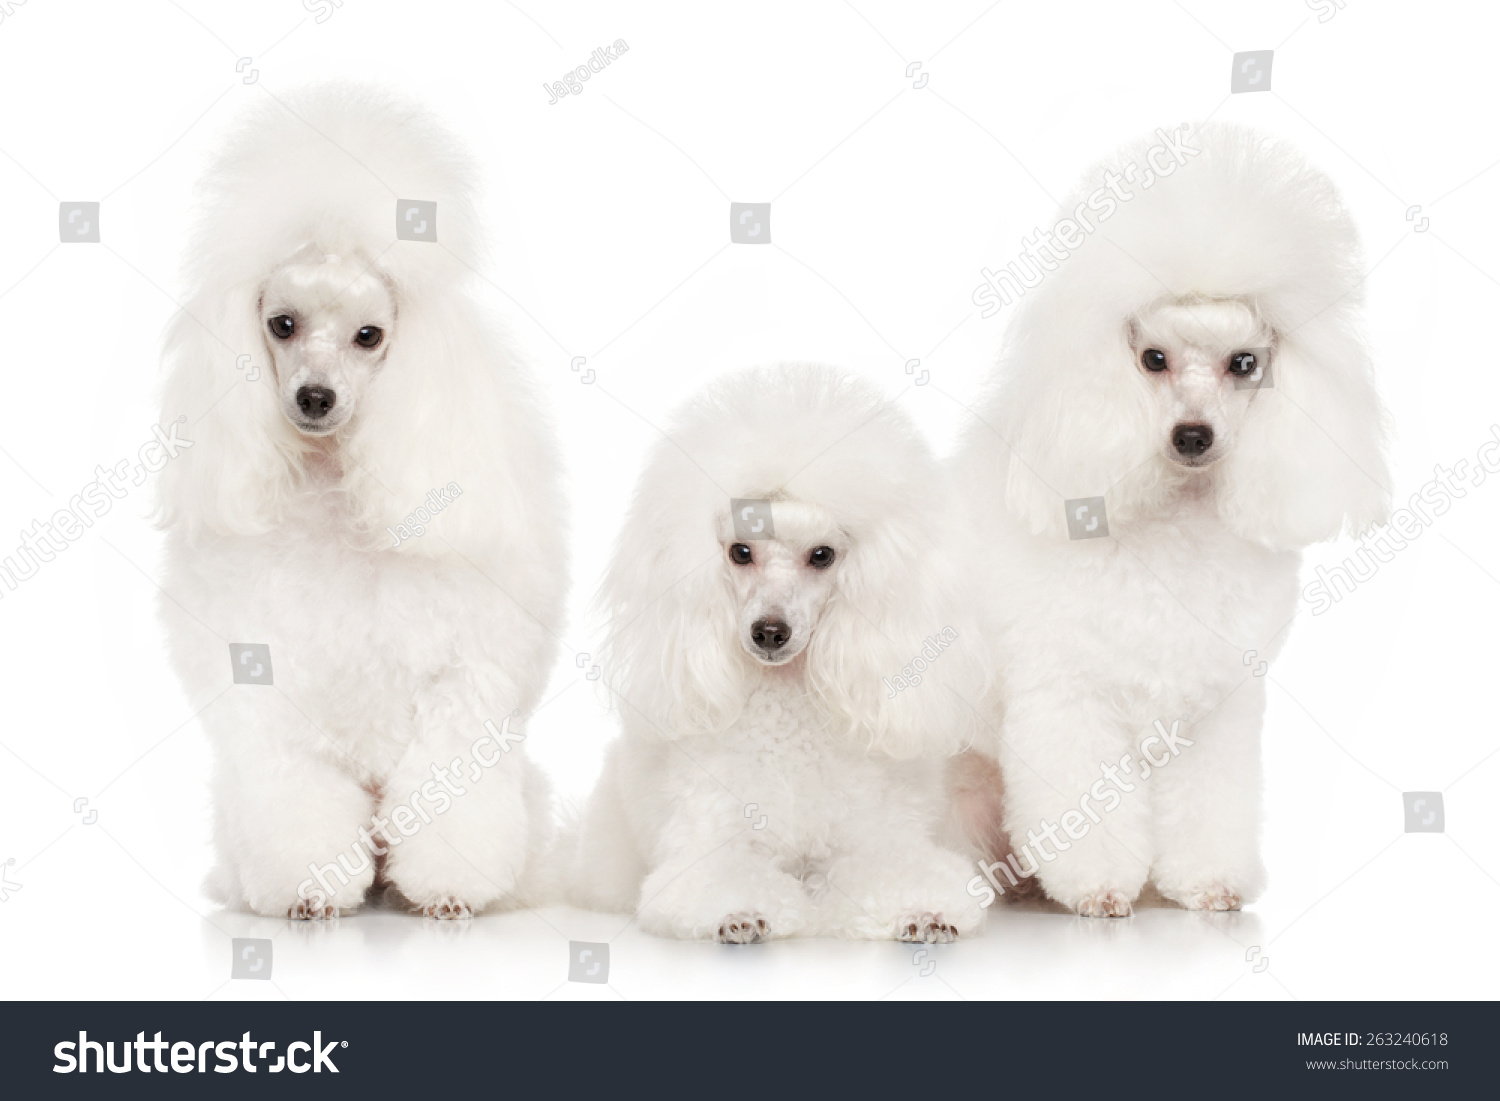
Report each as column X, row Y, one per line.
column 610, row 219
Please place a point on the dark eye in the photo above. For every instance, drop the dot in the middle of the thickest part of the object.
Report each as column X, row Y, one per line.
column 740, row 554
column 1242, row 364
column 821, row 558
column 369, row 337
column 1153, row 360
column 282, row 327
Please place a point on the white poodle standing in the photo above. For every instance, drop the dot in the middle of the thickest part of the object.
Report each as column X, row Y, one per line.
column 784, row 654
column 1197, row 364
column 370, row 494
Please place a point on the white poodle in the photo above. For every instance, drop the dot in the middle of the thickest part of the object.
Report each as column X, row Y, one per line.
column 785, row 657
column 367, row 515
column 1197, row 363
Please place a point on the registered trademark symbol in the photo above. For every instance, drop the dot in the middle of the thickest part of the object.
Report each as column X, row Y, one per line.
column 343, row 1043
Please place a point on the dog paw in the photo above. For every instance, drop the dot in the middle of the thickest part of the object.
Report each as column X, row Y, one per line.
column 743, row 929
column 1104, row 904
column 303, row 910
column 925, row 928
column 1217, row 897
column 448, row 908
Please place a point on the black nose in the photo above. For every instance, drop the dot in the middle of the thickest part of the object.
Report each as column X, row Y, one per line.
column 315, row 401
column 1192, row 440
column 770, row 634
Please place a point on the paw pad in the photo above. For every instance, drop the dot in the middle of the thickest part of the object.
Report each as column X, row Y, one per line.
column 1214, row 898
column 743, row 929
column 448, row 908
column 1105, row 904
column 304, row 910
column 926, row 928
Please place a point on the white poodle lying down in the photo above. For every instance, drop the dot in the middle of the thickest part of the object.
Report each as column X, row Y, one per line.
column 768, row 782
column 369, row 494
column 1200, row 368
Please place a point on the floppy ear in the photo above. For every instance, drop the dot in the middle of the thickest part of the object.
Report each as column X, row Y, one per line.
column 893, row 660
column 1310, row 459
column 1072, row 420
column 241, row 465
column 671, row 657
column 449, row 412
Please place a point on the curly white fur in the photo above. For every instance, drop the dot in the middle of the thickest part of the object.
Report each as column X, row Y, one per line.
column 388, row 654
column 1173, row 613
column 769, row 788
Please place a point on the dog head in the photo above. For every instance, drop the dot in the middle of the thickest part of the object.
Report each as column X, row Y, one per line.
column 1129, row 372
column 321, row 359
column 781, row 586
column 837, row 586
column 330, row 323
column 1202, row 361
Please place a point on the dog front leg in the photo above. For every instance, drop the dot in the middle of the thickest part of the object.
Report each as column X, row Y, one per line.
column 1206, row 805
column 1076, row 815
column 288, row 812
column 455, row 807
